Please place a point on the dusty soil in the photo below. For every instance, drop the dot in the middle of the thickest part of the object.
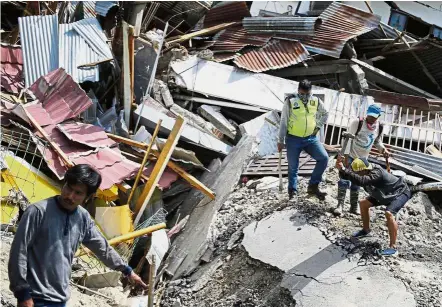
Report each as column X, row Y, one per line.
column 235, row 279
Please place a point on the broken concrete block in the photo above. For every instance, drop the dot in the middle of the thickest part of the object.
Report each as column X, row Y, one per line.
column 268, row 183
column 165, row 94
column 102, row 280
column 218, row 120
column 265, row 128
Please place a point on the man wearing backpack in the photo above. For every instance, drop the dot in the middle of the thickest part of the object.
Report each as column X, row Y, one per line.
column 367, row 132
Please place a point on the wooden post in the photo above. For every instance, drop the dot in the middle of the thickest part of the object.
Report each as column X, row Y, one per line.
column 132, row 63
column 143, row 163
column 172, row 165
column 158, row 169
column 151, row 282
column 126, row 75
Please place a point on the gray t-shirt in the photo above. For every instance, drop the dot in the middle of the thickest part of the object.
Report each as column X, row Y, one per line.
column 44, row 246
column 360, row 146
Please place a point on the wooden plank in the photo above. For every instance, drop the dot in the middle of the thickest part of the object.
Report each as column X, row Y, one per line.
column 202, row 32
column 143, row 163
column 132, row 64
column 158, row 169
column 94, row 63
column 194, row 182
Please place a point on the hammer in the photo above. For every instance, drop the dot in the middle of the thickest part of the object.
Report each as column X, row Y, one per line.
column 346, row 136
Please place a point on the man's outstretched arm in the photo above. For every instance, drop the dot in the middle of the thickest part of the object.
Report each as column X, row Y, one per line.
column 95, row 241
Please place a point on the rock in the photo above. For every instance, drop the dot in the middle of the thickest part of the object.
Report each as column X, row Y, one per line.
column 251, row 184
column 359, row 278
column 268, row 183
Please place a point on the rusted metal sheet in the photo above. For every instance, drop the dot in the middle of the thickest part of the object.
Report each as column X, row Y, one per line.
column 235, row 39
column 268, row 165
column 278, row 54
column 282, row 25
column 340, row 23
column 231, row 11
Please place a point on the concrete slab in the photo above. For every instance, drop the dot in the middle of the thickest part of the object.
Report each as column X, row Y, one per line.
column 347, row 284
column 318, row 273
column 277, row 241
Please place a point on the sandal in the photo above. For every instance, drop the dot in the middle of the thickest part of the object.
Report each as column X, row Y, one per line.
column 388, row 252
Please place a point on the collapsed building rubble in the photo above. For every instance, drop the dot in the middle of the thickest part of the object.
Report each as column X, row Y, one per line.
column 177, row 105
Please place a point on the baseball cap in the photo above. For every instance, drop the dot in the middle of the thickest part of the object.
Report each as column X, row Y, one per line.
column 360, row 165
column 374, row 110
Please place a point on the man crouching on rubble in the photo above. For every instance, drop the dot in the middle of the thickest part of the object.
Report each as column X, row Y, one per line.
column 49, row 234
column 383, row 189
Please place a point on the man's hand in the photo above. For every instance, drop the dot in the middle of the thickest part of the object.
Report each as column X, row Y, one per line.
column 136, row 280
column 280, row 147
column 27, row 303
column 386, row 153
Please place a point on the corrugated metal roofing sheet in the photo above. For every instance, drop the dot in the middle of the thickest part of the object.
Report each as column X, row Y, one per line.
column 389, row 30
column 340, row 23
column 74, row 51
column 102, row 7
column 92, row 33
column 90, row 135
column 11, row 69
column 282, row 25
column 88, row 8
column 235, row 39
column 39, row 39
column 60, row 98
column 231, row 11
column 275, row 55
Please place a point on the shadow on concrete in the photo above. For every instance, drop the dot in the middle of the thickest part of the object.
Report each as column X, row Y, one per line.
column 307, row 271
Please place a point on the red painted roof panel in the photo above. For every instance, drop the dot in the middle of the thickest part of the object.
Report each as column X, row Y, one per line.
column 60, row 96
column 278, row 54
column 11, row 69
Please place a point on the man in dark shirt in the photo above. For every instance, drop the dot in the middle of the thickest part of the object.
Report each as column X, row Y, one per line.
column 383, row 189
column 49, row 234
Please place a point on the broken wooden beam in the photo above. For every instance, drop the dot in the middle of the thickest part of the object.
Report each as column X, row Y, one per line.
column 158, row 169
column 143, row 163
column 194, row 182
column 202, row 32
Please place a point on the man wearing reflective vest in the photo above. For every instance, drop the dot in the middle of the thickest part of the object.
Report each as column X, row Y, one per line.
column 302, row 117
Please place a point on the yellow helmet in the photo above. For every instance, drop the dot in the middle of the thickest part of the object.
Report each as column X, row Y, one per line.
column 360, row 165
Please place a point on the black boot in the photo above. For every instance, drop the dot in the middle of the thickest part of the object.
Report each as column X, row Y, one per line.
column 354, row 201
column 292, row 193
column 341, row 199
column 313, row 189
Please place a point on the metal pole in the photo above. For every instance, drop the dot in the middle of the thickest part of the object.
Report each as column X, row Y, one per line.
column 152, row 76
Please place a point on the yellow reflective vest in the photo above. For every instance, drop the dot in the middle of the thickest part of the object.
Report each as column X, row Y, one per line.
column 302, row 120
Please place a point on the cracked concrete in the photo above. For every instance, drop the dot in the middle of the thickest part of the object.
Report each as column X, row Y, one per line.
column 317, row 272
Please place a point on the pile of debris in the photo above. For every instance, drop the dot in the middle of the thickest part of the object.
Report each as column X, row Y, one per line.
column 177, row 110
